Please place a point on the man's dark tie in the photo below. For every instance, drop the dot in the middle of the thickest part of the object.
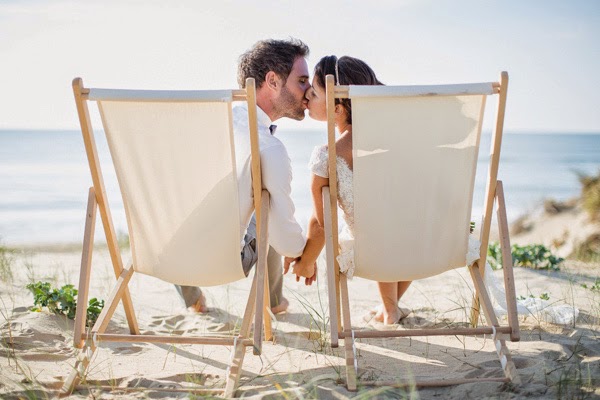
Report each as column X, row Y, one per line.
column 273, row 128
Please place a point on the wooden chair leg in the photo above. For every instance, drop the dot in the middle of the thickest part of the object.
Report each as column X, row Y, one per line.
column 510, row 371
column 249, row 311
column 332, row 281
column 113, row 300
column 475, row 311
column 234, row 369
column 507, row 264
column 84, row 274
column 349, row 345
column 268, row 326
column 85, row 355
column 258, row 314
column 262, row 282
column 78, row 372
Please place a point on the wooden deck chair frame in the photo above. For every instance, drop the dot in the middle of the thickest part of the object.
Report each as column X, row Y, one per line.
column 341, row 326
column 258, row 299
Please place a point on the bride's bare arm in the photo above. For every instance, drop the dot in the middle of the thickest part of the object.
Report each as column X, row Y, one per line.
column 315, row 242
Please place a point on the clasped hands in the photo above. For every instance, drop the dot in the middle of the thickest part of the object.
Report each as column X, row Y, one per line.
column 308, row 271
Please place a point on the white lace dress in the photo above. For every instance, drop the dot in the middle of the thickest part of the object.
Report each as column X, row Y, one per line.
column 318, row 165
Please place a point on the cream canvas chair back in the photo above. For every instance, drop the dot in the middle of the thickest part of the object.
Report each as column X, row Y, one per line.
column 415, row 152
column 174, row 159
column 415, row 159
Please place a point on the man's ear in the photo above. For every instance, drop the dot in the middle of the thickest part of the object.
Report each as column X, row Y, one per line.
column 273, row 81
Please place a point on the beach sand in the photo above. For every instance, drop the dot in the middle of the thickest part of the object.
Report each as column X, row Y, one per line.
column 553, row 361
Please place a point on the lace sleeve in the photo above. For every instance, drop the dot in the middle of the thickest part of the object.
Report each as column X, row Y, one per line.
column 318, row 162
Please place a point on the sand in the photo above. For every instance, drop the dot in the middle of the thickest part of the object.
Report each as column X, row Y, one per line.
column 553, row 361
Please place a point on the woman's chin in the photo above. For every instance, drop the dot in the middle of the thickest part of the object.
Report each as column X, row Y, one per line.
column 316, row 117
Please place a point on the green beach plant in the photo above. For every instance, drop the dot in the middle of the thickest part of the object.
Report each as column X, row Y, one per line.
column 535, row 256
column 595, row 287
column 543, row 296
column 62, row 301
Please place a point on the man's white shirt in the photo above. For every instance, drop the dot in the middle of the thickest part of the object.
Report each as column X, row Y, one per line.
column 285, row 234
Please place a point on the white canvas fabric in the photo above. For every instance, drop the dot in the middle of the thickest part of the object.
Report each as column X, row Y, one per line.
column 176, row 169
column 421, row 90
column 159, row 95
column 414, row 169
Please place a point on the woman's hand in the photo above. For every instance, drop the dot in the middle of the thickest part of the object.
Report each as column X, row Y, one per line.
column 309, row 281
column 301, row 269
column 304, row 269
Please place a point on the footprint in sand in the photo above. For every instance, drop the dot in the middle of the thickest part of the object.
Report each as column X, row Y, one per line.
column 492, row 368
column 196, row 379
column 305, row 335
column 16, row 328
column 176, row 324
column 220, row 327
column 166, row 320
column 133, row 349
column 523, row 362
column 152, row 384
column 44, row 356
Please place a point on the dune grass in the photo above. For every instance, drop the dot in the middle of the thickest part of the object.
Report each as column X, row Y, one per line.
column 590, row 194
column 6, row 261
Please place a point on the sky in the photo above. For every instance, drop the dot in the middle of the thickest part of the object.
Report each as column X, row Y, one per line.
column 551, row 50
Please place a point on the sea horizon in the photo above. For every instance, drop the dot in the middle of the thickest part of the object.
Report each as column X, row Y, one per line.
column 44, row 178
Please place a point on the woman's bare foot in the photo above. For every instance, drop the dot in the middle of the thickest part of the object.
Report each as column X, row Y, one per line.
column 389, row 318
column 281, row 307
column 378, row 314
column 199, row 306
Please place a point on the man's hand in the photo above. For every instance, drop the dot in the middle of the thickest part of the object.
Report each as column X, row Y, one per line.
column 287, row 261
column 309, row 281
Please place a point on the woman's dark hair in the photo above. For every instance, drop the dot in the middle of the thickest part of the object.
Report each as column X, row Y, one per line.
column 347, row 71
column 270, row 55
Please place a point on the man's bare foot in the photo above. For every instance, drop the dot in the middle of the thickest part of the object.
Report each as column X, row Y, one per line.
column 199, row 306
column 281, row 307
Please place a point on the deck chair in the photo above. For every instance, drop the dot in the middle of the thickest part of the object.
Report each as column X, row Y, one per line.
column 415, row 154
column 174, row 157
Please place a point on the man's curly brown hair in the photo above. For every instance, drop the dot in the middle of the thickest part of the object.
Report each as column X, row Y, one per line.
column 270, row 55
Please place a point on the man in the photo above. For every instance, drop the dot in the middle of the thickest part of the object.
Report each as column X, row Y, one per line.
column 281, row 74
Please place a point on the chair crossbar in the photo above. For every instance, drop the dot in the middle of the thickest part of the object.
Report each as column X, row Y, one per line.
column 432, row 383
column 214, row 340
column 356, row 91
column 160, row 95
column 426, row 332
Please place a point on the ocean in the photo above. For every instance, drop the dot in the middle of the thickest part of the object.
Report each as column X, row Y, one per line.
column 44, row 178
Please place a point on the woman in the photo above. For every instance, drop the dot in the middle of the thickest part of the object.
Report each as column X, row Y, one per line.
column 347, row 71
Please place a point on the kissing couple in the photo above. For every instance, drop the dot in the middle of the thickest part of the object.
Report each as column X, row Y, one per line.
column 284, row 89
